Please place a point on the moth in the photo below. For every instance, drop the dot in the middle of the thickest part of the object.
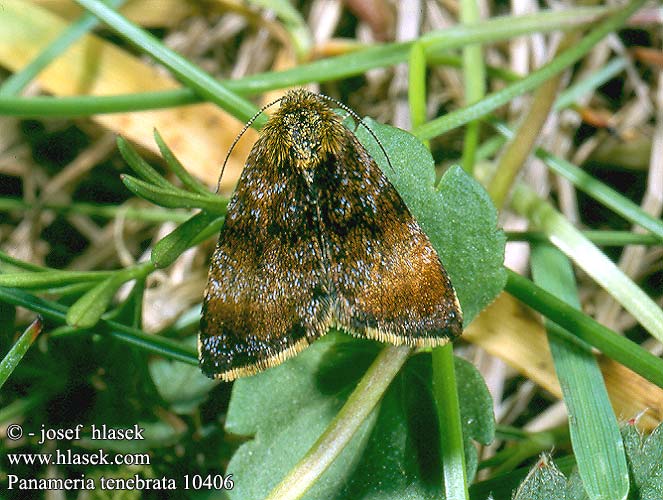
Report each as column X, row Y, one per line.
column 315, row 237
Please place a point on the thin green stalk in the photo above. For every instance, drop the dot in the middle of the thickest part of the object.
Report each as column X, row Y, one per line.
column 18, row 81
column 594, row 188
column 417, row 84
column 153, row 344
column 20, row 264
column 585, row 328
column 338, row 434
column 595, row 437
column 569, row 96
column 474, row 78
column 45, row 277
column 509, row 458
column 107, row 211
column 601, row 238
column 452, row 449
column 201, row 82
column 569, row 240
column 335, row 68
column 18, row 350
column 493, row 101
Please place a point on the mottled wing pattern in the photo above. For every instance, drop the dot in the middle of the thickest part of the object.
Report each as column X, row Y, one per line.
column 388, row 280
column 266, row 296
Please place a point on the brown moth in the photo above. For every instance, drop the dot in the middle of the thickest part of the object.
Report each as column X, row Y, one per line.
column 315, row 236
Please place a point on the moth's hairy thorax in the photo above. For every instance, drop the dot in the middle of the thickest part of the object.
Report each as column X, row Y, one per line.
column 303, row 134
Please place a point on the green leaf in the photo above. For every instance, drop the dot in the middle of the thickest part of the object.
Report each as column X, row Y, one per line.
column 174, row 165
column 595, row 436
column 180, row 384
column 544, row 482
column 458, row 216
column 140, row 166
column 173, row 197
column 476, row 412
column 86, row 311
column 286, row 408
column 644, row 456
column 18, row 350
column 171, row 246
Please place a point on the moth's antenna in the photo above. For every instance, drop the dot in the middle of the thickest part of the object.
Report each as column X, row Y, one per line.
column 239, row 136
column 360, row 122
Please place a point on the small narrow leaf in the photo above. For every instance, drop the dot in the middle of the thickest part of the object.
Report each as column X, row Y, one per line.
column 140, row 166
column 171, row 246
column 176, row 166
column 48, row 279
column 174, row 198
column 18, row 350
column 586, row 255
column 86, row 311
column 593, row 426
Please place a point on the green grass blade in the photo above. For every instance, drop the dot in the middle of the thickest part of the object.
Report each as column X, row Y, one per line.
column 594, row 188
column 154, row 344
column 474, row 73
column 598, row 237
column 569, row 96
column 586, row 255
column 20, row 264
column 18, row 350
column 585, row 328
column 493, row 101
column 416, row 91
column 595, row 436
column 190, row 74
column 330, row 69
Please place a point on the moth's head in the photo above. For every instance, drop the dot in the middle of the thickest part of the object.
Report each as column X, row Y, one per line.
column 307, row 126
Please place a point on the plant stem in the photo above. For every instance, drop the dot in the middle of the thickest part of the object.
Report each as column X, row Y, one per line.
column 357, row 408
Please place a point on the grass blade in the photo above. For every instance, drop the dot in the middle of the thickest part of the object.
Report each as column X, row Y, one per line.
column 18, row 350
column 594, row 188
column 585, row 328
column 493, row 101
column 586, row 255
column 194, row 77
column 595, row 436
